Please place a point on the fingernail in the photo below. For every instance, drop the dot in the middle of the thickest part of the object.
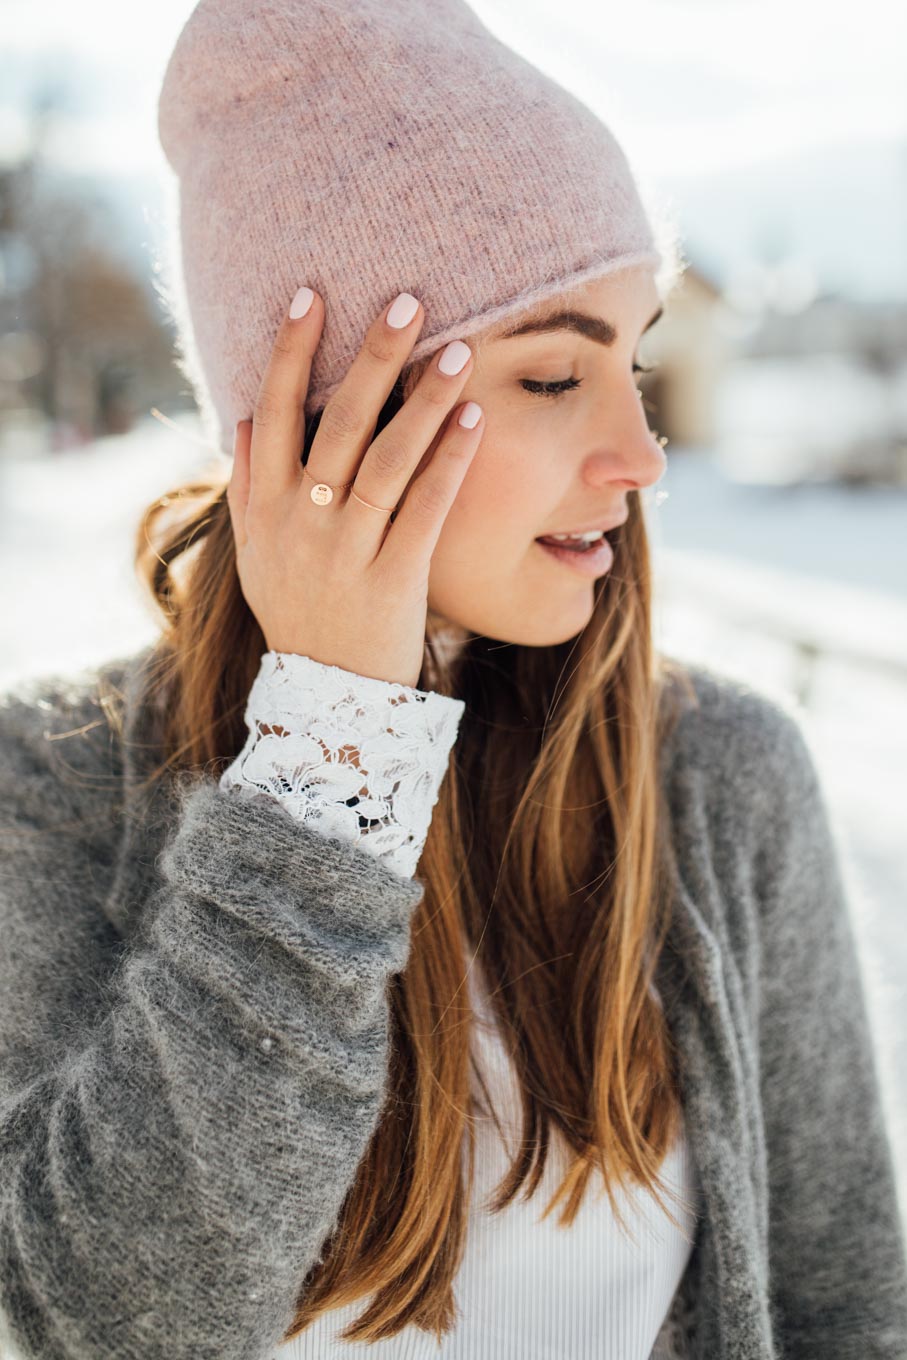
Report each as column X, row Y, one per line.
column 301, row 303
column 454, row 358
column 402, row 310
column 470, row 415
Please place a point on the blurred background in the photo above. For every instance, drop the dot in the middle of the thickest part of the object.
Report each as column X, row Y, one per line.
column 777, row 132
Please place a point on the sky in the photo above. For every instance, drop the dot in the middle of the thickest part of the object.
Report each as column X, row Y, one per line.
column 729, row 105
column 703, row 84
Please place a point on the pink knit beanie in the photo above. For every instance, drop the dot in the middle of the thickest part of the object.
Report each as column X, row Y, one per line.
column 366, row 148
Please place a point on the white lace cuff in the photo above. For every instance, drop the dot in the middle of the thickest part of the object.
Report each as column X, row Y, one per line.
column 311, row 725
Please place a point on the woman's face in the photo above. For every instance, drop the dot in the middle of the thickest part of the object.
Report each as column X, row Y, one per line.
column 545, row 464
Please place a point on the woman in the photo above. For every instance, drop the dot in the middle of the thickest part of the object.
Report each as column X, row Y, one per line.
column 401, row 894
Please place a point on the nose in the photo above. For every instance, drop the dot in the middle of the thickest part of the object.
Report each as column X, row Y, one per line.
column 632, row 456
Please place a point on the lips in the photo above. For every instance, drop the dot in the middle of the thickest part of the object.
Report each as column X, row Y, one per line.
column 577, row 545
column 593, row 562
column 605, row 525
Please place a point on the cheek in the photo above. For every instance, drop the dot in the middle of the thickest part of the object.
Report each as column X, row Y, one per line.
column 500, row 500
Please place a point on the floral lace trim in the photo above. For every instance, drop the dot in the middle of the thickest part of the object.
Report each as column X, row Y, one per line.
column 354, row 757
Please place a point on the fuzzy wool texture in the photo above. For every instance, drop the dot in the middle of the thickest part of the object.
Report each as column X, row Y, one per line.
column 194, row 1043
column 365, row 150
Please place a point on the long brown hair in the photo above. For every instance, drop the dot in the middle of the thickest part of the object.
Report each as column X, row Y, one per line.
column 546, row 859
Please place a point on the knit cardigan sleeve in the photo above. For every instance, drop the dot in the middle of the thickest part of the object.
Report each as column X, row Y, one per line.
column 172, row 1162
column 838, row 1276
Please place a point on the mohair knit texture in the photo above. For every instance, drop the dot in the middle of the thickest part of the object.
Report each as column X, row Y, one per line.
column 367, row 149
column 194, row 1041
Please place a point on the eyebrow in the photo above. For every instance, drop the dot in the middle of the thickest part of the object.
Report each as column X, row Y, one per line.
column 592, row 327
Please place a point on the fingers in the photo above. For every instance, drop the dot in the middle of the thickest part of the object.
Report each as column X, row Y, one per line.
column 412, row 537
column 397, row 451
column 279, row 415
column 349, row 418
column 343, row 450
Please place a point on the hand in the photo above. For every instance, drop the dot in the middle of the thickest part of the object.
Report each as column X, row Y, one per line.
column 338, row 582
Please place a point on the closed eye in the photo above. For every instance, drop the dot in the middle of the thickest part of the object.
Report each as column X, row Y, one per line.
column 550, row 389
column 557, row 389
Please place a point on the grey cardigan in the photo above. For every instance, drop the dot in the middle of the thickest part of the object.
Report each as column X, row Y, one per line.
column 194, row 1041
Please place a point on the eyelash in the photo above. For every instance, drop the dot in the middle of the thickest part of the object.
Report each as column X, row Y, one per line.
column 558, row 389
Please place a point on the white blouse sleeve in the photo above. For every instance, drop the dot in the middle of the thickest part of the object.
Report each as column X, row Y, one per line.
column 307, row 719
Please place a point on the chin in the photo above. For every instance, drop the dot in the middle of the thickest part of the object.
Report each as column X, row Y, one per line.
column 525, row 617
column 521, row 633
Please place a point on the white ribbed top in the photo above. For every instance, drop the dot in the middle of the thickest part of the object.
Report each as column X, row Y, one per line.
column 529, row 1290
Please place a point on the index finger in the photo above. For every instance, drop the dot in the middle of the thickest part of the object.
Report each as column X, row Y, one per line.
column 278, row 423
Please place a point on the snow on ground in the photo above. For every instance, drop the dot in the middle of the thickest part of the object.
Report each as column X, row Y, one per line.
column 800, row 591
